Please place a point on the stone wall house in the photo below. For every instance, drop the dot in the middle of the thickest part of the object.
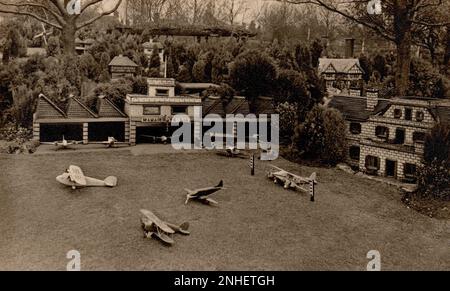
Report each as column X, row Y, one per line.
column 386, row 136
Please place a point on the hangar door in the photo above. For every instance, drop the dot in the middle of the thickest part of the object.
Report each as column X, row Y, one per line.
column 55, row 132
column 100, row 131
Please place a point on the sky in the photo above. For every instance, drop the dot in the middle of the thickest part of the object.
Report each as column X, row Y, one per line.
column 253, row 7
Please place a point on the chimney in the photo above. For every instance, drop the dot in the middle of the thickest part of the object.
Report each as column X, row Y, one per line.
column 355, row 92
column 372, row 99
column 349, row 48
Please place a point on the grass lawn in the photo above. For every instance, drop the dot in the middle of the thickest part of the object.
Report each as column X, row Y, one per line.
column 257, row 225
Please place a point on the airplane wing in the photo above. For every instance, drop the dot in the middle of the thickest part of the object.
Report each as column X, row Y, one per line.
column 49, row 143
column 212, row 201
column 277, row 168
column 76, row 175
column 312, row 178
column 158, row 222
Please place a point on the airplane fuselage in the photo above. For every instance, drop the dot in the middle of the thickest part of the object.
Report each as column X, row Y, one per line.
column 90, row 182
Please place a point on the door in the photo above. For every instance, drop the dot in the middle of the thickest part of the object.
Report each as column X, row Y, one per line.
column 391, row 169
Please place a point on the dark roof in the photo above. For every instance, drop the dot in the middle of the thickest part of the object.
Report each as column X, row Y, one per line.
column 238, row 105
column 443, row 112
column 106, row 108
column 340, row 65
column 354, row 108
column 77, row 109
column 47, row 109
column 121, row 61
column 196, row 86
column 264, row 105
column 213, row 105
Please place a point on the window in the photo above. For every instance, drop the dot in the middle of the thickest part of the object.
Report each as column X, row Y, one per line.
column 420, row 116
column 162, row 92
column 372, row 165
column 382, row 132
column 399, row 136
column 355, row 128
column 409, row 171
column 152, row 110
column 408, row 114
column 397, row 113
column 419, row 137
column 179, row 110
column 354, row 153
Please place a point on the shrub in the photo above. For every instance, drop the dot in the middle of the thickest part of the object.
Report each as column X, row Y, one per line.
column 288, row 120
column 322, row 136
column 434, row 180
column 434, row 176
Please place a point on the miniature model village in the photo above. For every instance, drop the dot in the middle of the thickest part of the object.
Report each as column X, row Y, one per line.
column 107, row 180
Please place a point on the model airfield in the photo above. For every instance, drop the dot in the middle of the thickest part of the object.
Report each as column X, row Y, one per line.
column 257, row 225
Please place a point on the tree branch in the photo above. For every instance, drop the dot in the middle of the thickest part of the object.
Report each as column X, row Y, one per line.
column 381, row 31
column 94, row 19
column 37, row 17
column 90, row 3
column 35, row 5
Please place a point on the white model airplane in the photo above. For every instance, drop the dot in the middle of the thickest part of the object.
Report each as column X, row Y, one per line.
column 289, row 180
column 232, row 152
column 74, row 177
column 202, row 195
column 110, row 143
column 153, row 226
column 158, row 139
column 64, row 144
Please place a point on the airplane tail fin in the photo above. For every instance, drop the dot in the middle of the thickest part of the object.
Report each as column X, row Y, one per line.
column 184, row 226
column 111, row 181
column 189, row 195
column 220, row 184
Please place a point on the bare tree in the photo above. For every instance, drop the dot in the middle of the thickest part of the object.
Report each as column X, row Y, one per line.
column 230, row 10
column 278, row 19
column 142, row 12
column 59, row 16
column 397, row 23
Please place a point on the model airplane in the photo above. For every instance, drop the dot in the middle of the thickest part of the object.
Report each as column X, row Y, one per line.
column 158, row 139
column 202, row 195
column 232, row 152
column 153, row 226
column 74, row 177
column 289, row 180
column 110, row 143
column 64, row 144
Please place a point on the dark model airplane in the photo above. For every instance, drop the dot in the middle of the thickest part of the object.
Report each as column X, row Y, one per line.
column 202, row 195
column 158, row 139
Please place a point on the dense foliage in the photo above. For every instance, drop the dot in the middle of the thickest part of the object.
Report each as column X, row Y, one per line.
column 322, row 136
column 434, row 176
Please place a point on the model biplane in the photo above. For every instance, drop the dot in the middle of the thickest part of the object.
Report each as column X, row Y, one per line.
column 292, row 181
column 202, row 195
column 64, row 144
column 74, row 177
column 157, row 139
column 154, row 226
